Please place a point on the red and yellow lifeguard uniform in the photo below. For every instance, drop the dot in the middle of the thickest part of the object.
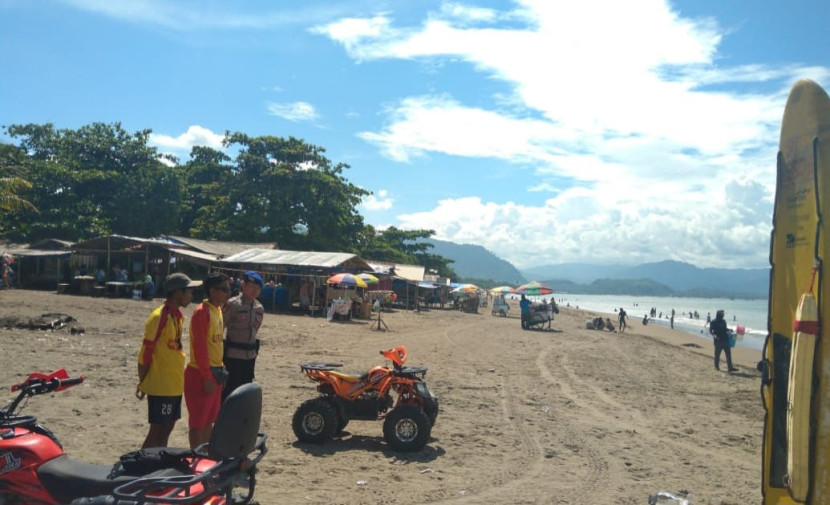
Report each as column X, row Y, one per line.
column 206, row 333
column 162, row 350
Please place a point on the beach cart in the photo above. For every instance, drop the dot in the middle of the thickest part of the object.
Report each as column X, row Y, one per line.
column 500, row 306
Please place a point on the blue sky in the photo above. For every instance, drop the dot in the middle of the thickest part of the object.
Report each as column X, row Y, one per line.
column 545, row 131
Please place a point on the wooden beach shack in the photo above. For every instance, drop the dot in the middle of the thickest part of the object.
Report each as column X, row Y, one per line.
column 403, row 280
column 37, row 265
column 156, row 257
column 301, row 274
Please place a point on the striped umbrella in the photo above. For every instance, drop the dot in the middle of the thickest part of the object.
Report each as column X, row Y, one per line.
column 347, row 280
column 369, row 278
column 534, row 288
column 502, row 290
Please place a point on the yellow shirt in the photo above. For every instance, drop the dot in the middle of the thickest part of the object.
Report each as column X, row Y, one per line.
column 206, row 332
column 164, row 355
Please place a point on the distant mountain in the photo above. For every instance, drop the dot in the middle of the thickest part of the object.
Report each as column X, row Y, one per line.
column 682, row 278
column 640, row 287
column 476, row 262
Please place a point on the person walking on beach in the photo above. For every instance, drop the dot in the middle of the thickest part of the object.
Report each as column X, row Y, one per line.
column 621, row 320
column 205, row 373
column 161, row 361
column 720, row 332
column 243, row 316
column 524, row 305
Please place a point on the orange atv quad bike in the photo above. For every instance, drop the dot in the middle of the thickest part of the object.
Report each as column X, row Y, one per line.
column 367, row 397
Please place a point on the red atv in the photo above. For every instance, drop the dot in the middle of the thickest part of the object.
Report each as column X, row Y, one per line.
column 35, row 470
column 406, row 427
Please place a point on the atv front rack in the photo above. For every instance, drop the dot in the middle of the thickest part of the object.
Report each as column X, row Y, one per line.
column 319, row 366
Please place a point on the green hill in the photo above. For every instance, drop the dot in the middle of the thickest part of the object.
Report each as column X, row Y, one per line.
column 476, row 262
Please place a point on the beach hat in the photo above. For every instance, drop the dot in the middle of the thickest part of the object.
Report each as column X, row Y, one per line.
column 251, row 276
column 177, row 281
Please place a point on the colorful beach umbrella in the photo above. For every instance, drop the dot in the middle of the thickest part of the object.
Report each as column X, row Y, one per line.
column 534, row 288
column 369, row 278
column 465, row 288
column 503, row 290
column 347, row 280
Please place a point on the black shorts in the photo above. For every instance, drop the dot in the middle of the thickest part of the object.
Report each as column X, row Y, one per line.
column 164, row 409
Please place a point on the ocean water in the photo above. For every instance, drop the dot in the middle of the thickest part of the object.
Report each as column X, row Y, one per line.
column 752, row 314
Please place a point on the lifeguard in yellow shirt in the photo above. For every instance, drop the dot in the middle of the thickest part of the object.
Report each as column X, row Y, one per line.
column 161, row 361
column 205, row 374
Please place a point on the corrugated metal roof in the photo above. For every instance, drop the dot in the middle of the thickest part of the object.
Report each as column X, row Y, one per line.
column 117, row 243
column 219, row 248
column 23, row 250
column 194, row 254
column 297, row 258
column 408, row 272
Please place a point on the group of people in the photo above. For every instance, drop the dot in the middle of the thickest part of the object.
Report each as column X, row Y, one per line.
column 223, row 351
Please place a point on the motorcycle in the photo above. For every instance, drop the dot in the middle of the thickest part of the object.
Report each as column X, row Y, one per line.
column 35, row 470
column 407, row 420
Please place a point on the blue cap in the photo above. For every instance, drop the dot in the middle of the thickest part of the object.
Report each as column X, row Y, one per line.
column 251, row 276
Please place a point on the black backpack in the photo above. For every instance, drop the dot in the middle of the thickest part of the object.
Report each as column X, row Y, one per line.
column 145, row 461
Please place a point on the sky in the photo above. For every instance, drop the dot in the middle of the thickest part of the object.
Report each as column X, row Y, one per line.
column 548, row 132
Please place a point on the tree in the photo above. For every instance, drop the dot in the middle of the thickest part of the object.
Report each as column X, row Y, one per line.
column 285, row 191
column 404, row 246
column 95, row 180
column 12, row 185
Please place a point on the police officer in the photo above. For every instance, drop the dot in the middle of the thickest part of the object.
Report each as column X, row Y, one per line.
column 243, row 316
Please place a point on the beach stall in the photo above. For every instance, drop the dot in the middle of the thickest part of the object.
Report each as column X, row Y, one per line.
column 303, row 274
column 33, row 266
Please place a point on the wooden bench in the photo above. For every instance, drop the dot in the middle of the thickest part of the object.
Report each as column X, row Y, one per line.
column 63, row 288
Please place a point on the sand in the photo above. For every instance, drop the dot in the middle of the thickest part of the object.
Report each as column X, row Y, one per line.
column 566, row 415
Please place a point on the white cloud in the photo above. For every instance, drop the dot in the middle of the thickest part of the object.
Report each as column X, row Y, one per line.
column 295, row 111
column 380, row 200
column 468, row 14
column 194, row 136
column 196, row 15
column 627, row 118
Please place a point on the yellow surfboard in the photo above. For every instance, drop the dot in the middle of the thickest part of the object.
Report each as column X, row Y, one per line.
column 799, row 239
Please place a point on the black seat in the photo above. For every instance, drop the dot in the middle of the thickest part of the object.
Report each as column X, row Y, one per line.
column 237, row 425
column 67, row 479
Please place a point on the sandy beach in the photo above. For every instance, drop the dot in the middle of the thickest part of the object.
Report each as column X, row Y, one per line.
column 566, row 415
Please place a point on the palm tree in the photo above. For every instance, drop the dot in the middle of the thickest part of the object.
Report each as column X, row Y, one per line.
column 10, row 188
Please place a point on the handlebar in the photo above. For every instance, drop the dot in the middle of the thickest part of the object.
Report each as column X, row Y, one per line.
column 38, row 385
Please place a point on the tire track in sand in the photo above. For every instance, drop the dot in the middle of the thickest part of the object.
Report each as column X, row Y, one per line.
column 531, row 447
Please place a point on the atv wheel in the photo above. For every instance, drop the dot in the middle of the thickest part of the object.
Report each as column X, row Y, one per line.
column 342, row 422
column 315, row 421
column 432, row 412
column 406, row 429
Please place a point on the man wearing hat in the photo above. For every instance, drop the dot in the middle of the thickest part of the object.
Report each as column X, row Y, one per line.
column 161, row 360
column 243, row 316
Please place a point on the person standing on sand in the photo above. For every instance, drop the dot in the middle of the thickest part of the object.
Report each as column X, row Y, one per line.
column 524, row 305
column 161, row 361
column 719, row 330
column 205, row 373
column 621, row 321
column 243, row 316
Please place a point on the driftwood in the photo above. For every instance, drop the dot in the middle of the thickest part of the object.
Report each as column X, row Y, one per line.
column 45, row 322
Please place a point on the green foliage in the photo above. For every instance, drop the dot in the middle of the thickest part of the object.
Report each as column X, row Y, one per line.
column 12, row 185
column 404, row 246
column 100, row 179
column 95, row 180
